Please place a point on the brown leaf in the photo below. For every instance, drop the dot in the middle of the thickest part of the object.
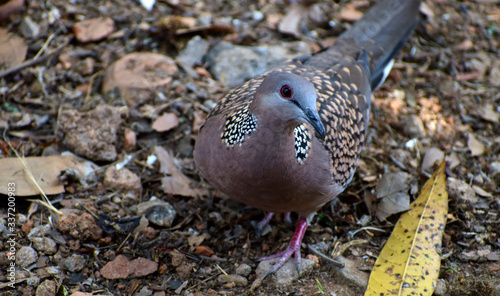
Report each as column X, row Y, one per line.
column 165, row 122
column 350, row 13
column 487, row 112
column 174, row 181
column 139, row 71
column 12, row 50
column 46, row 171
column 93, row 29
column 122, row 268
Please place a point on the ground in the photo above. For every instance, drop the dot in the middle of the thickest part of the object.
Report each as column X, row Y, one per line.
column 66, row 88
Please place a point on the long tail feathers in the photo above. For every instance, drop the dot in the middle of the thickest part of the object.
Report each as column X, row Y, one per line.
column 382, row 32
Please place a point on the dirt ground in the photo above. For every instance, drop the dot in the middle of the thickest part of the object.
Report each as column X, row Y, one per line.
column 67, row 88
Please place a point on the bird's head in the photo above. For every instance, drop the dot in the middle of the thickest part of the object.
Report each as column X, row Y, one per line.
column 289, row 97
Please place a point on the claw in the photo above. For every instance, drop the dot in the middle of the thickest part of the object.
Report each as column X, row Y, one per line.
column 292, row 249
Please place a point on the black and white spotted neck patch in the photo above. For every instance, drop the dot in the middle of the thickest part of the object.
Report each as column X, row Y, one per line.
column 302, row 143
column 237, row 126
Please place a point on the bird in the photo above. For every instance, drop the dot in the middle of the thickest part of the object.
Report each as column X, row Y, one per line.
column 289, row 140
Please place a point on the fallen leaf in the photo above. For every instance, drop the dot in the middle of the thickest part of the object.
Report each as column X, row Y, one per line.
column 174, row 181
column 196, row 240
column 93, row 29
column 480, row 191
column 290, row 24
column 45, row 169
column 165, row 122
column 488, row 113
column 392, row 195
column 475, row 146
column 122, row 268
column 432, row 156
column 350, row 13
column 409, row 263
column 13, row 49
column 139, row 71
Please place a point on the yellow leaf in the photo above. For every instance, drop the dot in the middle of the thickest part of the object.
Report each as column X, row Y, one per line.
column 410, row 261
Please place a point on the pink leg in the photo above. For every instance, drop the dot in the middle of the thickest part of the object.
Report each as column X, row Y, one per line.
column 260, row 226
column 293, row 248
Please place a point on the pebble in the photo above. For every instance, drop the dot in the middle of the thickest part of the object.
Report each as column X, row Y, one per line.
column 75, row 262
column 26, row 256
column 233, row 278
column 414, row 127
column 441, row 288
column 122, row 179
column 234, row 64
column 46, row 288
column 45, row 245
column 243, row 270
column 158, row 212
column 288, row 273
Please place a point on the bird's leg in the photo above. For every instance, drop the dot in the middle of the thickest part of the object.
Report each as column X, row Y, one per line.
column 293, row 248
column 287, row 218
column 260, row 226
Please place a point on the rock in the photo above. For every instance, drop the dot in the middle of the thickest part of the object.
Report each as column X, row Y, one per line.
column 243, row 270
column 460, row 190
column 288, row 273
column 46, row 288
column 75, row 262
column 192, row 54
column 41, row 230
column 29, row 28
column 233, row 65
column 122, row 268
column 92, row 134
column 441, row 288
column 351, row 272
column 45, row 245
column 158, row 212
column 26, row 256
column 413, row 126
column 233, row 278
column 122, row 179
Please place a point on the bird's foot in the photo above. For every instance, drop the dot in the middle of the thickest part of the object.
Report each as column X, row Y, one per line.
column 293, row 248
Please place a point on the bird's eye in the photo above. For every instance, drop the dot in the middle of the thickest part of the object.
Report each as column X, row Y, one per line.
column 286, row 91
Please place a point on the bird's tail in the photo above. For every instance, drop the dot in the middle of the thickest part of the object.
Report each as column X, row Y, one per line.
column 381, row 33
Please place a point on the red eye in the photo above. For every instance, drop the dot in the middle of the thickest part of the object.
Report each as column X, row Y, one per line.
column 286, row 91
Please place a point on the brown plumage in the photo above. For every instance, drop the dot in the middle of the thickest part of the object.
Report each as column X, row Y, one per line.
column 289, row 140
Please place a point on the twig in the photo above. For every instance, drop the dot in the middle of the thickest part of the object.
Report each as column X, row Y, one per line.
column 33, row 61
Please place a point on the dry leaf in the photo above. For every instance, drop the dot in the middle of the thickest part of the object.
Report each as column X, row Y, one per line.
column 392, row 195
column 409, row 263
column 481, row 192
column 46, row 171
column 12, row 50
column 93, row 29
column 174, row 181
column 165, row 122
column 432, row 156
column 476, row 147
column 290, row 24
column 139, row 71
column 350, row 13
column 488, row 113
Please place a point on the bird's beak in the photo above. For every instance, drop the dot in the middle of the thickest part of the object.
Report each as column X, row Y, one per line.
column 313, row 118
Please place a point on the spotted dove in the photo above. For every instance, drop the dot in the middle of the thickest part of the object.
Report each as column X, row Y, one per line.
column 289, row 140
